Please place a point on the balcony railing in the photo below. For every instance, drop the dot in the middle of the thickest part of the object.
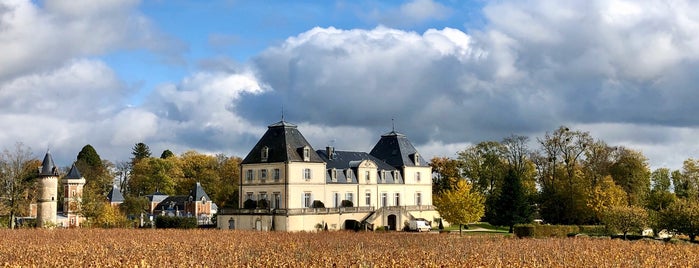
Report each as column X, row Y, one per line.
column 310, row 211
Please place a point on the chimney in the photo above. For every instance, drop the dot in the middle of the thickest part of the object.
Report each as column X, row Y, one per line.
column 330, row 151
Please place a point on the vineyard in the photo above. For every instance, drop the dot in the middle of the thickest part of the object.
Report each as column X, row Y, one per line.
column 216, row 248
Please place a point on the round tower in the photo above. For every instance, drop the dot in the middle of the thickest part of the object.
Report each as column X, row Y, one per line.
column 73, row 184
column 48, row 191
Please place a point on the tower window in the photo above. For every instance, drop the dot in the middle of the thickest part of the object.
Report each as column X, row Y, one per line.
column 307, row 173
column 416, row 159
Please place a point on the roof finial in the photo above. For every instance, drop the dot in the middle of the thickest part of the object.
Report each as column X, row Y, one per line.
column 282, row 112
column 393, row 125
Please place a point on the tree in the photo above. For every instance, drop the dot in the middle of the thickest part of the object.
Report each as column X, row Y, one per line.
column 683, row 217
column 460, row 205
column 17, row 178
column 139, row 151
column 630, row 171
column 155, row 174
column 445, row 173
column 686, row 182
column 605, row 195
column 625, row 219
column 135, row 205
column 485, row 166
column 110, row 217
column 660, row 180
column 166, row 154
column 512, row 205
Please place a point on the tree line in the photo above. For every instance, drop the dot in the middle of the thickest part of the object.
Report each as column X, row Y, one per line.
column 568, row 178
column 142, row 175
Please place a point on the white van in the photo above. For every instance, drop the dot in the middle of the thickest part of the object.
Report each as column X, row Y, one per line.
column 419, row 225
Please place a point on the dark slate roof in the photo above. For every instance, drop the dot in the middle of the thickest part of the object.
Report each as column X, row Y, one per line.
column 198, row 192
column 396, row 150
column 156, row 197
column 176, row 202
column 73, row 173
column 48, row 168
column 115, row 195
column 285, row 144
column 343, row 160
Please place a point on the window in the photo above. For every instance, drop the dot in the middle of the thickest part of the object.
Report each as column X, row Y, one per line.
column 263, row 195
column 307, row 199
column 349, row 197
column 248, row 175
column 263, row 174
column 395, row 176
column 276, row 174
column 417, row 176
column 367, row 176
column 306, row 173
column 367, row 199
column 416, row 158
column 306, row 154
column 336, row 199
column 349, row 174
column 72, row 193
column 277, row 201
column 264, row 154
column 248, row 196
column 384, row 199
column 396, row 201
column 418, row 199
column 333, row 174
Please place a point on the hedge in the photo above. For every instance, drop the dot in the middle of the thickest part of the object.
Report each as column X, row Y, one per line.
column 538, row 231
column 594, row 230
column 175, row 222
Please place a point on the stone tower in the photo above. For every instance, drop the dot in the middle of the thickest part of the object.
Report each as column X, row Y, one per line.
column 73, row 184
column 48, row 191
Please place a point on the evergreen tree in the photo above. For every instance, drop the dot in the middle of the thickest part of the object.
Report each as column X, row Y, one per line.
column 139, row 151
column 512, row 206
column 89, row 156
column 166, row 154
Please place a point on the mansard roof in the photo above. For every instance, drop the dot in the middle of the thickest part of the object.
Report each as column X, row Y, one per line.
column 284, row 143
column 73, row 173
column 343, row 160
column 115, row 195
column 396, row 150
column 48, row 168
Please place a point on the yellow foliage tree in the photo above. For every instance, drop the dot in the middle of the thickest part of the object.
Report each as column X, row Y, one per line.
column 604, row 195
column 110, row 217
column 460, row 205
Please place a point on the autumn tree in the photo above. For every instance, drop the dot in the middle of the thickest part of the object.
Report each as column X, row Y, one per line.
column 445, row 173
column 562, row 199
column 682, row 216
column 630, row 171
column 460, row 205
column 18, row 171
column 154, row 174
column 625, row 219
column 604, row 196
column 484, row 165
column 686, row 182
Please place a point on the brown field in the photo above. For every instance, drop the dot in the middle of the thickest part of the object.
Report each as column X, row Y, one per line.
column 216, row 248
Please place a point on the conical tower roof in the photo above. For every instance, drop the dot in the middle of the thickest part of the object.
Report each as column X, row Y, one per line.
column 115, row 195
column 48, row 168
column 73, row 173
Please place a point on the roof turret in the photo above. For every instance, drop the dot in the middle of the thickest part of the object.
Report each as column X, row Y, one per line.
column 48, row 168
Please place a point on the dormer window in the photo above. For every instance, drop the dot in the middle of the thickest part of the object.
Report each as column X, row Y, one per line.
column 333, row 175
column 367, row 176
column 416, row 159
column 348, row 174
column 264, row 154
column 306, row 154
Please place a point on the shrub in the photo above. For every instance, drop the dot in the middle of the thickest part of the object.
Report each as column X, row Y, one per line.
column 318, row 204
column 538, row 231
column 594, row 230
column 250, row 204
column 175, row 222
column 346, row 204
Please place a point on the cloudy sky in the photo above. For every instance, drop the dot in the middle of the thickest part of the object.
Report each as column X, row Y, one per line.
column 186, row 75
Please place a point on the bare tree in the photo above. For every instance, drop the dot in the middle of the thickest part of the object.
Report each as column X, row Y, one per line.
column 18, row 171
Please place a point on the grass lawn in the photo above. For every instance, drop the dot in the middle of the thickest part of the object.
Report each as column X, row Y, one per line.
column 479, row 226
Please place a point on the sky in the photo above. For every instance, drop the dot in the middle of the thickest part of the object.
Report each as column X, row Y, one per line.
column 211, row 76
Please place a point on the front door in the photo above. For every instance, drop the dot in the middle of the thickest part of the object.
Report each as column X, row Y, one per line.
column 258, row 225
column 392, row 222
column 231, row 224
